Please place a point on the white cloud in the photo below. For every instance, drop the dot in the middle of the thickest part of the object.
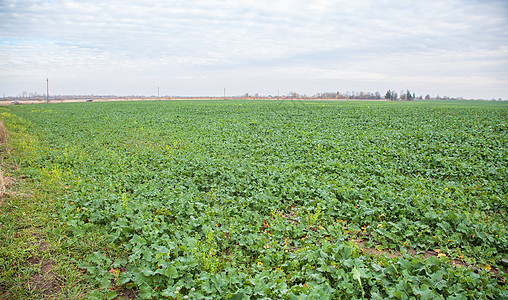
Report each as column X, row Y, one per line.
column 319, row 44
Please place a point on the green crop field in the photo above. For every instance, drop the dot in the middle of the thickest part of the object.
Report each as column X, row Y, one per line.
column 274, row 199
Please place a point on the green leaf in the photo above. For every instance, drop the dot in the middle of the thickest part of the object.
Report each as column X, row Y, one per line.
column 423, row 291
column 239, row 296
column 111, row 295
column 94, row 295
column 124, row 278
column 119, row 262
column 171, row 272
column 146, row 271
column 357, row 276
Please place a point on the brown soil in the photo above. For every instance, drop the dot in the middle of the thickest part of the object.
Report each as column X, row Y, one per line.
column 3, row 134
column 426, row 254
column 45, row 281
column 291, row 216
column 128, row 294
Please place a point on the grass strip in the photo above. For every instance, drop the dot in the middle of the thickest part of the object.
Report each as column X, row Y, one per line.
column 37, row 261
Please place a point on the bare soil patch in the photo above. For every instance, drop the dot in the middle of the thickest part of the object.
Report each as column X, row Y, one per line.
column 128, row 294
column 426, row 254
column 45, row 280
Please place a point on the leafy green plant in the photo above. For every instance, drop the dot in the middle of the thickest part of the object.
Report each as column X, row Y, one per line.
column 267, row 199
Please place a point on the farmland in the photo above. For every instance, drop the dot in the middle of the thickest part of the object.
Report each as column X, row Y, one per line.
column 277, row 199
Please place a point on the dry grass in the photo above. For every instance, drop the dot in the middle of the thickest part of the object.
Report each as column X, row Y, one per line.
column 5, row 153
column 3, row 147
column 3, row 134
column 2, row 182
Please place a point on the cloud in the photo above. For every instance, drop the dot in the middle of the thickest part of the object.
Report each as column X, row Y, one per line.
column 377, row 43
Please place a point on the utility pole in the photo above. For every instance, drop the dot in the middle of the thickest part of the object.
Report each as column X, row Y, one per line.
column 278, row 94
column 224, row 93
column 47, row 90
column 158, row 94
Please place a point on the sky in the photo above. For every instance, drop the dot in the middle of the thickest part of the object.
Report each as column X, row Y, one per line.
column 455, row 48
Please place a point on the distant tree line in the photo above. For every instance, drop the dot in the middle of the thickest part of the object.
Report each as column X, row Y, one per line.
column 390, row 95
column 348, row 95
column 408, row 96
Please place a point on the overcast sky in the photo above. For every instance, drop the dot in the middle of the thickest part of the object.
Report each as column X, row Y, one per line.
column 127, row 47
